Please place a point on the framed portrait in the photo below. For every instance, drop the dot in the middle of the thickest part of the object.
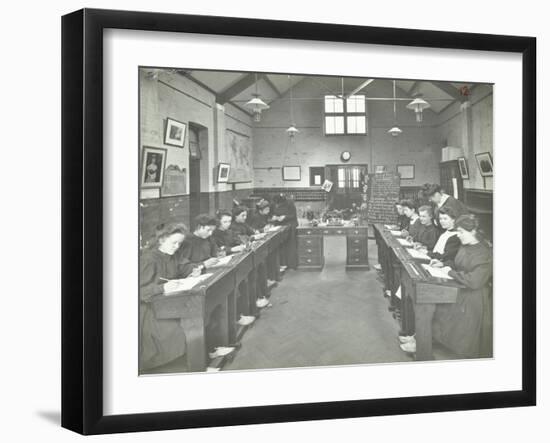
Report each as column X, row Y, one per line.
column 406, row 172
column 316, row 175
column 223, row 172
column 485, row 164
column 152, row 167
column 117, row 60
column 292, row 173
column 463, row 167
column 174, row 134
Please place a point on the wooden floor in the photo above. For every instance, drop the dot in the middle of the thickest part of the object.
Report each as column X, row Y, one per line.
column 323, row 318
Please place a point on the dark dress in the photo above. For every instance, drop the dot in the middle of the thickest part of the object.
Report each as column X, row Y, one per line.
column 452, row 245
column 225, row 239
column 465, row 327
column 240, row 229
column 403, row 221
column 258, row 221
column 289, row 256
column 197, row 250
column 427, row 235
column 458, row 207
column 414, row 227
column 160, row 341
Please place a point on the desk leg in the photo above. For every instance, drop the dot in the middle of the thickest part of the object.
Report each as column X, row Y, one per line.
column 423, row 316
column 196, row 343
column 253, row 292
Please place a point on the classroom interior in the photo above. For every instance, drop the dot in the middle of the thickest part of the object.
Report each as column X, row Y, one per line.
column 343, row 151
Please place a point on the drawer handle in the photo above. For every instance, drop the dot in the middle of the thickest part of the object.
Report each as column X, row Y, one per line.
column 356, row 232
column 309, row 232
column 356, row 241
column 309, row 260
column 356, row 259
column 325, row 232
column 308, row 242
column 309, row 250
column 338, row 232
column 357, row 250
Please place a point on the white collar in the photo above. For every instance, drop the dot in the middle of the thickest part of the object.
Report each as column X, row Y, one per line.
column 444, row 198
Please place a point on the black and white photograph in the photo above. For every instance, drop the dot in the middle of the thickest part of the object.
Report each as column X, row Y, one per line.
column 223, row 172
column 381, row 254
column 152, row 167
column 485, row 163
column 463, row 167
column 174, row 133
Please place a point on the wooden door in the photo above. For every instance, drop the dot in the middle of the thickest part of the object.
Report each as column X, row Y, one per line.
column 194, row 176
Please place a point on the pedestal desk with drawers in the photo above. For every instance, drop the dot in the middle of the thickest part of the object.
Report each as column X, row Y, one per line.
column 311, row 249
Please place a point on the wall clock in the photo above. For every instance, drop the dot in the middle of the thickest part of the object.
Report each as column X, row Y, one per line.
column 345, row 156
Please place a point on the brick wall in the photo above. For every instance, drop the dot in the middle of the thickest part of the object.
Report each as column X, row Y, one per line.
column 383, row 194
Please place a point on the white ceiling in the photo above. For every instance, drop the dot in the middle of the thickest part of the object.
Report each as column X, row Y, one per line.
column 239, row 87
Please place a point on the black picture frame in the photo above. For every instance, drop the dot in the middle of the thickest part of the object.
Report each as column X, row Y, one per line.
column 291, row 173
column 223, row 170
column 316, row 171
column 82, row 237
column 177, row 139
column 152, row 178
column 405, row 171
column 463, row 168
column 485, row 164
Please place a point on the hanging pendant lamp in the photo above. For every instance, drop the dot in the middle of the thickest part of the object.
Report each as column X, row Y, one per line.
column 418, row 105
column 257, row 104
column 292, row 130
column 394, row 131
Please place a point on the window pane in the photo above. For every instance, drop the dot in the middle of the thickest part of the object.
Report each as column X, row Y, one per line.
column 329, row 103
column 341, row 178
column 351, row 125
column 338, row 105
column 359, row 103
column 350, row 104
column 338, row 125
column 361, row 123
column 329, row 125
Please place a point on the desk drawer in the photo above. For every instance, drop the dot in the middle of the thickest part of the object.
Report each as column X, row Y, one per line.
column 314, row 242
column 356, row 241
column 304, row 232
column 357, row 252
column 357, row 261
column 312, row 260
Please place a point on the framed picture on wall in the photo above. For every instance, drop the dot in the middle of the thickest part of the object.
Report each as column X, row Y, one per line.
column 292, row 173
column 174, row 133
column 152, row 167
column 406, row 171
column 223, row 172
column 485, row 163
column 316, row 175
column 463, row 167
column 101, row 325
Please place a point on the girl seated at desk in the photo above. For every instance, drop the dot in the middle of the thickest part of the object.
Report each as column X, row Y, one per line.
column 161, row 341
column 465, row 327
column 224, row 237
column 402, row 219
column 410, row 211
column 427, row 234
column 239, row 226
column 199, row 247
column 260, row 220
column 447, row 244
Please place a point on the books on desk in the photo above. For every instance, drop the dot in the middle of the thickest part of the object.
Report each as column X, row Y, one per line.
column 274, row 228
column 438, row 272
column 185, row 284
column 396, row 233
column 404, row 242
column 417, row 254
column 391, row 226
column 222, row 261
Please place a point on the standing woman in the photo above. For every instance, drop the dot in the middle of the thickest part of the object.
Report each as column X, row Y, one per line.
column 441, row 200
column 465, row 327
column 161, row 341
column 285, row 214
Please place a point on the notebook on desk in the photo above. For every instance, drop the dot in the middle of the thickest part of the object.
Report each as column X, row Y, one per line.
column 417, row 254
column 185, row 284
column 222, row 261
column 396, row 233
column 438, row 272
column 404, row 242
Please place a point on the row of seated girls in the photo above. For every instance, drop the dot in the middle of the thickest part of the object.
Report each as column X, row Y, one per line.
column 453, row 240
column 177, row 253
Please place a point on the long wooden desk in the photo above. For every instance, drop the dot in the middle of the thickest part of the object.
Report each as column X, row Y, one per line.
column 425, row 291
column 209, row 312
column 311, row 249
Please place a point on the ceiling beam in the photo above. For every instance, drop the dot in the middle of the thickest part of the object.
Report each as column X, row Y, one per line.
column 236, row 88
column 271, row 85
column 361, row 86
column 449, row 89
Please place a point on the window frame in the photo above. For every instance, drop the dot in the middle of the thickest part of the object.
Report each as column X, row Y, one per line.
column 344, row 114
